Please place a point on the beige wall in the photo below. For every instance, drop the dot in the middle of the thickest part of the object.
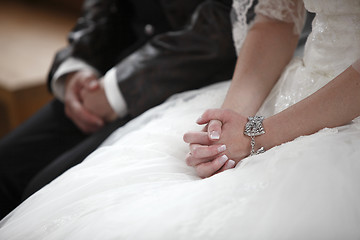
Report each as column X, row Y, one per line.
column 31, row 32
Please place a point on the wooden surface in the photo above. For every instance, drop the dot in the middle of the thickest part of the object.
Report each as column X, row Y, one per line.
column 29, row 38
column 16, row 106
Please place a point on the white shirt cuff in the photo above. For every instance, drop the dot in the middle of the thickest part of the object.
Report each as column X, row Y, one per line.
column 68, row 66
column 113, row 93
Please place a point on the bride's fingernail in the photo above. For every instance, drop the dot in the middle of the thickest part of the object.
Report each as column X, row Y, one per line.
column 214, row 135
column 221, row 148
column 223, row 159
column 230, row 164
column 93, row 84
column 199, row 119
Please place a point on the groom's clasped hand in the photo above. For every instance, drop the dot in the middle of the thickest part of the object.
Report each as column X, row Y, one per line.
column 220, row 145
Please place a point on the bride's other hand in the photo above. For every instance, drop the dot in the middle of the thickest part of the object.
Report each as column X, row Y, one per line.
column 206, row 154
column 208, row 160
column 232, row 132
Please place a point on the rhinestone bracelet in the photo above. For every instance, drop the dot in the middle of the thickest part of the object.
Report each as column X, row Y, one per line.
column 254, row 128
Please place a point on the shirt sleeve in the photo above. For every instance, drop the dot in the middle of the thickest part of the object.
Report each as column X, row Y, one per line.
column 113, row 93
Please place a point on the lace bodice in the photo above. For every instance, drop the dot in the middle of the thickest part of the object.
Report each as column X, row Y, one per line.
column 337, row 7
column 334, row 42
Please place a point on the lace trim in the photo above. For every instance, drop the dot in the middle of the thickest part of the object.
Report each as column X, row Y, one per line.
column 291, row 11
column 282, row 10
column 239, row 25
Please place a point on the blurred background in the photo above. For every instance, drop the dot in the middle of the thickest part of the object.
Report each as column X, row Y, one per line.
column 31, row 31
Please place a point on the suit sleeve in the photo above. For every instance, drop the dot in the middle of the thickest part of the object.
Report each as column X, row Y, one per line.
column 103, row 23
column 200, row 54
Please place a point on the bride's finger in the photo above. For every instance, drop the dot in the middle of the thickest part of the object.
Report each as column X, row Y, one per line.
column 214, row 130
column 208, row 169
column 228, row 165
column 205, row 128
column 204, row 151
column 191, row 161
column 197, row 137
column 211, row 114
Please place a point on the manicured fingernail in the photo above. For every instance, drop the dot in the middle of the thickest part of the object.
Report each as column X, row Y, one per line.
column 214, row 135
column 221, row 148
column 199, row 119
column 230, row 164
column 223, row 159
column 93, row 84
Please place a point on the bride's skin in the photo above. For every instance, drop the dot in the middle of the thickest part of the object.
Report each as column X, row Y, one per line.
column 266, row 51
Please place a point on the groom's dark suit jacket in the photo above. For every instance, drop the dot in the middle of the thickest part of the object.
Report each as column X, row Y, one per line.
column 159, row 47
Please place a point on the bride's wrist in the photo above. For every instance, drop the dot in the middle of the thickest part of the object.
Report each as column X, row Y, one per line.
column 272, row 136
column 243, row 110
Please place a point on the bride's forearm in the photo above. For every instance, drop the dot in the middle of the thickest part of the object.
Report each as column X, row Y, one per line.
column 336, row 104
column 266, row 51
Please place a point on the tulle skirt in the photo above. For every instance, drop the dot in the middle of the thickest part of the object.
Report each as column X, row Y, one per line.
column 138, row 186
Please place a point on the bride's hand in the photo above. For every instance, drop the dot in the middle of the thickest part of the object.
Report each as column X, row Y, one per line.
column 204, row 148
column 206, row 155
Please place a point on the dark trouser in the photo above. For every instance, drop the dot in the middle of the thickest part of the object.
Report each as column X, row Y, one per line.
column 41, row 149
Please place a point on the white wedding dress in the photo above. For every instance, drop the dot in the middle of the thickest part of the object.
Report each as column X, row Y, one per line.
column 137, row 185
